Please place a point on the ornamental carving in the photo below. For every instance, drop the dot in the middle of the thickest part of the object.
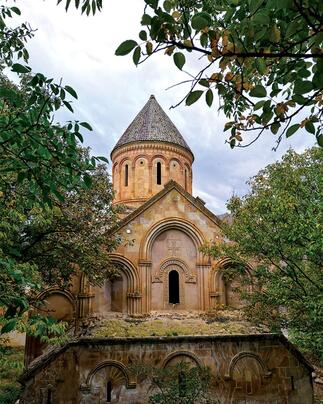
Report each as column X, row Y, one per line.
column 177, row 264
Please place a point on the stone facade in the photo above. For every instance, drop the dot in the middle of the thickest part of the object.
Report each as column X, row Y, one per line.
column 163, row 270
column 257, row 369
column 135, row 167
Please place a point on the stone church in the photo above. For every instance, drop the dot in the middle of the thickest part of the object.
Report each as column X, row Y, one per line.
column 162, row 270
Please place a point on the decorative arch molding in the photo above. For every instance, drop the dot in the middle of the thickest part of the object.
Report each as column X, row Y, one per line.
column 245, row 354
column 159, row 157
column 168, row 264
column 129, row 270
column 56, row 291
column 140, row 156
column 216, row 273
column 188, row 354
column 130, row 384
column 172, row 223
column 123, row 161
column 171, row 159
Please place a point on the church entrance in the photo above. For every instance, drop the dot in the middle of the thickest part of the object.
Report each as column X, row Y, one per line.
column 173, row 287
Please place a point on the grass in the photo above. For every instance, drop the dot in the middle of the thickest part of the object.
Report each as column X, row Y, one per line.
column 11, row 366
column 171, row 327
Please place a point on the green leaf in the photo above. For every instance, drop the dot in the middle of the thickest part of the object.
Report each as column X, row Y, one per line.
column 68, row 106
column 320, row 140
column 292, row 129
column 167, row 6
column 261, row 66
column 136, row 55
column 259, row 105
column 86, row 125
column 146, row 19
column 11, row 95
column 209, row 97
column 275, row 127
column 103, row 159
column 143, row 35
column 309, row 126
column 193, row 97
column 126, row 47
column 254, row 5
column 87, row 180
column 9, row 326
column 258, row 91
column 71, row 91
column 199, row 22
column 179, row 60
column 204, row 83
column 302, row 87
column 152, row 3
column 18, row 68
column 15, row 10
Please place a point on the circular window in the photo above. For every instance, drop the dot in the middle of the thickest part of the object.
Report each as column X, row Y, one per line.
column 141, row 162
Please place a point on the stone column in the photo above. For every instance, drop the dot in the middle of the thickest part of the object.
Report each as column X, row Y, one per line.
column 145, row 269
column 203, row 273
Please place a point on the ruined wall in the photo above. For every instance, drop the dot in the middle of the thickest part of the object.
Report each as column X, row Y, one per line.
column 245, row 369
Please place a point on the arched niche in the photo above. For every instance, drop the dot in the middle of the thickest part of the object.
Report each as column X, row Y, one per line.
column 57, row 303
column 247, row 373
column 61, row 305
column 174, row 255
column 226, row 284
column 108, row 381
column 120, row 294
column 176, row 357
column 172, row 223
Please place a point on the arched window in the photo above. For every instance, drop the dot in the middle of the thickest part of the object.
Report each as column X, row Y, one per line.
column 49, row 397
column 126, row 175
column 109, row 391
column 185, row 179
column 173, row 285
column 158, row 177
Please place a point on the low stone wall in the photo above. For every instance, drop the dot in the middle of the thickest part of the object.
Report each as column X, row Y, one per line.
column 245, row 369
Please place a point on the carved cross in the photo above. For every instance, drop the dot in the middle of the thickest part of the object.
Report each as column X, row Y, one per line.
column 174, row 247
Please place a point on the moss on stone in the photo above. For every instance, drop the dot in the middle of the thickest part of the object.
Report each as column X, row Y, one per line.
column 171, row 327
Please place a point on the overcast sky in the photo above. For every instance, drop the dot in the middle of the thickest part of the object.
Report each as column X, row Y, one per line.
column 112, row 91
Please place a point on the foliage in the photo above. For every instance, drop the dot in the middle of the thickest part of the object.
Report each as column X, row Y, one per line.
column 47, row 245
column 86, row 5
column 11, row 365
column 52, row 224
column 277, row 228
column 264, row 59
column 177, row 384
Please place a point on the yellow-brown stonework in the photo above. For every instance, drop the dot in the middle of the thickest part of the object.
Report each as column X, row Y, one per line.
column 162, row 270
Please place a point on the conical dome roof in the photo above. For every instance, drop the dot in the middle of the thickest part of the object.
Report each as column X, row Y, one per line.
column 152, row 124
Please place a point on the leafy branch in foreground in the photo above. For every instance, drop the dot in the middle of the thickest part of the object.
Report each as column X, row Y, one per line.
column 52, row 224
column 264, row 59
column 277, row 226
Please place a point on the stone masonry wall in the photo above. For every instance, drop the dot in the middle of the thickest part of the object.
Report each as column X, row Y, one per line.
column 245, row 369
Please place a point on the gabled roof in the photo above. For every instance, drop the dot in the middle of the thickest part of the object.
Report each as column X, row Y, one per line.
column 152, row 124
column 197, row 202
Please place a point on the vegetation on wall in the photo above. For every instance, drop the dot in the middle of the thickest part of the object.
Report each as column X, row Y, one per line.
column 263, row 59
column 277, row 227
column 176, row 384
